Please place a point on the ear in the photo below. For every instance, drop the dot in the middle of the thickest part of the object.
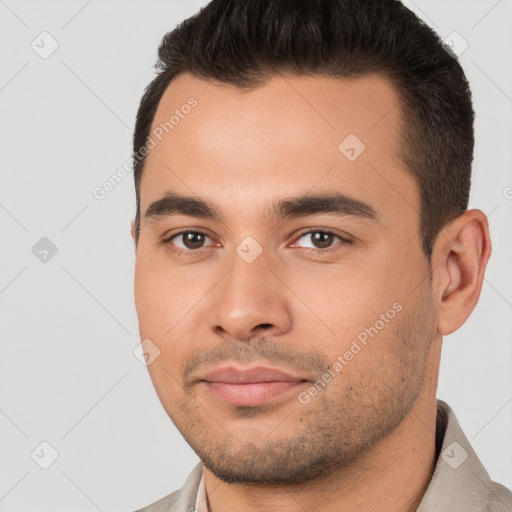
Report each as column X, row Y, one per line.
column 132, row 232
column 460, row 256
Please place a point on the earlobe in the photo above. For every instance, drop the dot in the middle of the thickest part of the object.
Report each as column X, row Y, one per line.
column 461, row 263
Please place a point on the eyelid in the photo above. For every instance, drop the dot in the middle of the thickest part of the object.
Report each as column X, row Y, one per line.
column 167, row 236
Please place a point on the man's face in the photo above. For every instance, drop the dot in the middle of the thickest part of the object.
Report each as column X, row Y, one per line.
column 337, row 298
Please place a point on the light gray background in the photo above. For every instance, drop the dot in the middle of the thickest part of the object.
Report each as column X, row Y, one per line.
column 68, row 373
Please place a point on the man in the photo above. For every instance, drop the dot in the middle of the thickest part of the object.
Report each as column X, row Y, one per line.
column 302, row 245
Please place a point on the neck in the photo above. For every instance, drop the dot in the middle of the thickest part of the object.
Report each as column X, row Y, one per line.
column 392, row 475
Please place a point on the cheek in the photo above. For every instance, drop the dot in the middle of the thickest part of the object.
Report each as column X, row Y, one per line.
column 160, row 296
column 164, row 301
column 347, row 298
column 356, row 309
column 166, row 383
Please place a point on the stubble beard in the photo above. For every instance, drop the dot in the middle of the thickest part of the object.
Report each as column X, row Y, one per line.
column 340, row 424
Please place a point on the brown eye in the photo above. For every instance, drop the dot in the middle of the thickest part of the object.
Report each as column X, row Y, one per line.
column 318, row 239
column 189, row 240
column 322, row 240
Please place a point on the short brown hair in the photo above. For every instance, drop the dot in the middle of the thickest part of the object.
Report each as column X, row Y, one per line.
column 246, row 42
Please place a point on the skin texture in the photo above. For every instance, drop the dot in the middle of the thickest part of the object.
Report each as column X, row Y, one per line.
column 296, row 307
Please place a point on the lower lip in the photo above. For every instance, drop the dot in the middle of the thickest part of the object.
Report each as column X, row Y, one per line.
column 255, row 393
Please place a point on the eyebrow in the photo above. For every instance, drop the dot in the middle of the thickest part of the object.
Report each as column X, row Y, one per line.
column 298, row 206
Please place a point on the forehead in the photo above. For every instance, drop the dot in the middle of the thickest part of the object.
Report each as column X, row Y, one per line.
column 292, row 134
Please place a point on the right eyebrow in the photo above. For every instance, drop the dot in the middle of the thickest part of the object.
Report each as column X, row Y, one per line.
column 177, row 204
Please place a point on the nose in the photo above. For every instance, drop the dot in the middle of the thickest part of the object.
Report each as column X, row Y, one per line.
column 250, row 301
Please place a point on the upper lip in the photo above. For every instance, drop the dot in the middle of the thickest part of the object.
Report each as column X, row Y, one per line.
column 233, row 375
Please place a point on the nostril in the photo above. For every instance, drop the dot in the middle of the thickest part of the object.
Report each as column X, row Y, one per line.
column 264, row 325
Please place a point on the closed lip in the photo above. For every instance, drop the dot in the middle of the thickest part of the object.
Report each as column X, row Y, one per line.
column 250, row 386
column 233, row 375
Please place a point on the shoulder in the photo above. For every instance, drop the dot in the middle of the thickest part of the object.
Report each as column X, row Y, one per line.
column 163, row 505
column 499, row 498
column 182, row 500
column 460, row 482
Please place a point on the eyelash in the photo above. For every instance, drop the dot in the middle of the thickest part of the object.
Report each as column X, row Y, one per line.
column 167, row 242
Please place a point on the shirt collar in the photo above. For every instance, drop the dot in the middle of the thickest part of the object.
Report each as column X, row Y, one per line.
column 201, row 500
column 459, row 481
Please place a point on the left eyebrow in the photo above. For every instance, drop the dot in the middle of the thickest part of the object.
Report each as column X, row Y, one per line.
column 298, row 206
column 334, row 203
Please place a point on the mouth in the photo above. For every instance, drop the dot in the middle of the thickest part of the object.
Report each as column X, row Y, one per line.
column 253, row 386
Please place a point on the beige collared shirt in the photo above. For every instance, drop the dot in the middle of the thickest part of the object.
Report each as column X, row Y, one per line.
column 459, row 483
column 201, row 500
